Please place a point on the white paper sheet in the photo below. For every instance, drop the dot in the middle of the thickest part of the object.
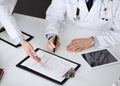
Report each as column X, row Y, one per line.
column 51, row 65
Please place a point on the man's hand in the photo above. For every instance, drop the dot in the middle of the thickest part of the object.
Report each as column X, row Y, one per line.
column 30, row 50
column 80, row 44
column 50, row 44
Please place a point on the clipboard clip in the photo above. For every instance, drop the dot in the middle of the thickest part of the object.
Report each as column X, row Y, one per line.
column 70, row 73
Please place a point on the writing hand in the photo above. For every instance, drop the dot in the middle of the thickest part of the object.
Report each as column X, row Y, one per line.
column 52, row 45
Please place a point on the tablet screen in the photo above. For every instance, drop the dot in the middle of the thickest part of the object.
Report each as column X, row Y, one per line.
column 98, row 58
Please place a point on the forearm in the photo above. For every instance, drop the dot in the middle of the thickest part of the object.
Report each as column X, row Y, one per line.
column 52, row 26
column 108, row 38
column 54, row 16
column 11, row 27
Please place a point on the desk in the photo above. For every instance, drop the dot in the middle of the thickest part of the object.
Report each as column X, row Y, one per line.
column 10, row 56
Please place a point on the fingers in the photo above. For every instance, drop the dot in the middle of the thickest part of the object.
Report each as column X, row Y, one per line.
column 58, row 44
column 75, row 46
column 30, row 50
column 34, row 55
column 50, row 44
column 72, row 46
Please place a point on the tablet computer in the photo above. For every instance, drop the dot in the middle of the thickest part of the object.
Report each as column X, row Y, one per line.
column 100, row 58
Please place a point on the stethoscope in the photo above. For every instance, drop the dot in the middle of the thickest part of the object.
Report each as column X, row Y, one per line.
column 102, row 13
column 104, row 9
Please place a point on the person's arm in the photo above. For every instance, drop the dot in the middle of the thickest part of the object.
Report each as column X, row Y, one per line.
column 30, row 50
column 15, row 34
column 54, row 17
column 111, row 37
column 102, row 39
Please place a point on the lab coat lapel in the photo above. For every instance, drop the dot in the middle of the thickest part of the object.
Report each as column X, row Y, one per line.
column 81, row 4
column 83, row 9
column 95, row 9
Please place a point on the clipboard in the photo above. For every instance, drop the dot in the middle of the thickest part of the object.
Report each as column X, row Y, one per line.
column 28, row 38
column 49, row 75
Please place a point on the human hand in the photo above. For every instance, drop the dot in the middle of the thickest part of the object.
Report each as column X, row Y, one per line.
column 30, row 50
column 51, row 46
column 80, row 44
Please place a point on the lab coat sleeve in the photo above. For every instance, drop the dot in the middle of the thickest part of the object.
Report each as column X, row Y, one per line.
column 108, row 38
column 10, row 25
column 54, row 16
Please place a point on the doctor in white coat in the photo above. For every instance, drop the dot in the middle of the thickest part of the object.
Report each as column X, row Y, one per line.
column 103, row 15
column 8, row 21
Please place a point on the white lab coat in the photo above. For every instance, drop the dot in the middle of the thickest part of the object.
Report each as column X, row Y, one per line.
column 60, row 10
column 9, row 22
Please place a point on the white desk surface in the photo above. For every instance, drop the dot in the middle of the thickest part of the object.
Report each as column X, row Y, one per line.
column 10, row 56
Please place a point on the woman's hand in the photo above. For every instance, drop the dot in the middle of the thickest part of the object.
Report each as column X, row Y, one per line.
column 30, row 50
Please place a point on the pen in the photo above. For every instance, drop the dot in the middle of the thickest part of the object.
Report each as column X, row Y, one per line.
column 78, row 13
column 55, row 42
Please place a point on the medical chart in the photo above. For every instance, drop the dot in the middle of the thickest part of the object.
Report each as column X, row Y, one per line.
column 50, row 65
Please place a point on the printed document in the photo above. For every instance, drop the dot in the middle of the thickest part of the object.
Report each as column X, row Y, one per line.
column 50, row 65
